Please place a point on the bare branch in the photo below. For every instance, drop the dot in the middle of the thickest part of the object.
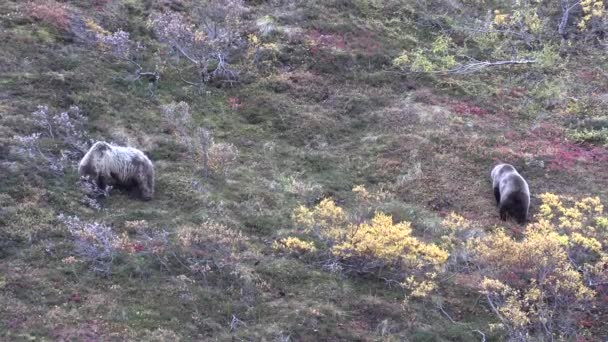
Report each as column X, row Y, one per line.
column 515, row 33
column 483, row 336
column 440, row 307
column 185, row 54
column 467, row 68
column 561, row 29
column 235, row 323
column 476, row 66
column 593, row 284
column 191, row 83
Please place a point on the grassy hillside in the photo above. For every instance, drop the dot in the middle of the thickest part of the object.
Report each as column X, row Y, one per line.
column 319, row 107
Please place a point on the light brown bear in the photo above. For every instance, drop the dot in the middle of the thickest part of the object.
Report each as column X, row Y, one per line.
column 123, row 167
column 511, row 191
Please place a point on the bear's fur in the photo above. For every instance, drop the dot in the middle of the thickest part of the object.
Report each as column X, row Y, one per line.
column 123, row 167
column 511, row 191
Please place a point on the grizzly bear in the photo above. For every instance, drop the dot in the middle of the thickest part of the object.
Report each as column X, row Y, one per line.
column 511, row 192
column 123, row 167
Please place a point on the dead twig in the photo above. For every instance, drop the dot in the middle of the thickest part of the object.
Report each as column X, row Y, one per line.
column 561, row 29
column 476, row 66
column 468, row 68
column 483, row 336
column 440, row 307
column 235, row 323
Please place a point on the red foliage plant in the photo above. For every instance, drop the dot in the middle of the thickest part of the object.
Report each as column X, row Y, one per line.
column 319, row 41
column 234, row 103
column 363, row 43
column 567, row 154
column 467, row 108
column 50, row 12
column 548, row 140
column 587, row 75
column 511, row 135
column 547, row 130
column 99, row 4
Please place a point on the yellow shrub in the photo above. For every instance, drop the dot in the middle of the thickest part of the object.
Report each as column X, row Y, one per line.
column 374, row 246
column 293, row 245
column 420, row 288
column 602, row 222
column 208, row 233
column 533, row 22
column 93, row 26
column 500, row 18
column 588, row 243
column 390, row 242
column 538, row 279
column 591, row 205
column 326, row 219
column 455, row 222
column 580, row 222
column 401, row 60
column 361, row 192
column 591, row 9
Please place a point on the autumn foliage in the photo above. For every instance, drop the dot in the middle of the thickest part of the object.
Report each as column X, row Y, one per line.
column 51, row 13
column 542, row 283
column 377, row 246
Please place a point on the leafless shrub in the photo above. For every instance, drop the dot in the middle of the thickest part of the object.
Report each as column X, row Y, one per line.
column 60, row 141
column 118, row 46
column 236, row 323
column 295, row 185
column 283, row 337
column 208, row 247
column 332, row 265
column 99, row 245
column 222, row 158
column 266, row 25
column 179, row 120
column 218, row 158
column 94, row 242
column 205, row 141
column 92, row 193
column 28, row 145
column 207, row 43
column 67, row 127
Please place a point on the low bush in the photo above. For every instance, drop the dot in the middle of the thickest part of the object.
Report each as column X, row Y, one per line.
column 540, row 285
column 59, row 141
column 375, row 247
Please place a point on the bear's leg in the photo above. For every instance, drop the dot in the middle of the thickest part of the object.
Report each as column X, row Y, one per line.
column 503, row 213
column 143, row 184
column 101, row 182
column 497, row 195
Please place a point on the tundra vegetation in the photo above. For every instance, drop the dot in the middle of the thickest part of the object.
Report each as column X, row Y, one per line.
column 321, row 170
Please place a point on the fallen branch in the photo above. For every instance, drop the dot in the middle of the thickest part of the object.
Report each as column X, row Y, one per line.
column 483, row 336
column 561, row 29
column 185, row 54
column 440, row 307
column 472, row 29
column 467, row 68
column 476, row 66
column 235, row 323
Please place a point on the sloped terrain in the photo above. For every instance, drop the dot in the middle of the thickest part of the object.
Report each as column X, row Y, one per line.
column 317, row 109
